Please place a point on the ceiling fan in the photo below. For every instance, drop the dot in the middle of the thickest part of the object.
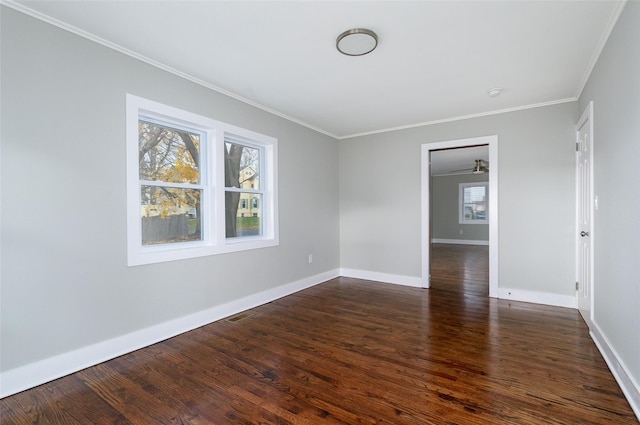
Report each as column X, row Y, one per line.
column 481, row 167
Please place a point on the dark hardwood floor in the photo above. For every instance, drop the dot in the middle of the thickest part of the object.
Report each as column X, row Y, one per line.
column 355, row 352
column 460, row 268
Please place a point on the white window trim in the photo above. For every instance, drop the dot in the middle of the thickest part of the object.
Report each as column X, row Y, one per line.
column 461, row 187
column 214, row 240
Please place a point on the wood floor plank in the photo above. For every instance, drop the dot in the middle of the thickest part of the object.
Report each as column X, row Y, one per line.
column 361, row 382
column 351, row 351
column 63, row 401
column 460, row 268
column 189, row 391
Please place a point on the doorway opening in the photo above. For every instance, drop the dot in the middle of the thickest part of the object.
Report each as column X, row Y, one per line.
column 478, row 219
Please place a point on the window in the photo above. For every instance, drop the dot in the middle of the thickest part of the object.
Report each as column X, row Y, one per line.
column 188, row 177
column 242, row 183
column 474, row 203
column 171, row 182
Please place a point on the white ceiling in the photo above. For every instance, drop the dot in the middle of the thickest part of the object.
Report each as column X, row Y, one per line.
column 435, row 61
column 457, row 161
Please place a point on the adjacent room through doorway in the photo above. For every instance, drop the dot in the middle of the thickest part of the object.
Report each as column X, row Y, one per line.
column 460, row 216
column 459, row 220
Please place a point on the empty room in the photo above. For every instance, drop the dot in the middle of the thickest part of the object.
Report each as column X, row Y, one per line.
column 310, row 212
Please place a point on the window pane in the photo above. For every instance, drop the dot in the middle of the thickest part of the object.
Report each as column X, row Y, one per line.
column 473, row 203
column 168, row 154
column 474, row 194
column 243, row 216
column 242, row 166
column 170, row 215
column 475, row 212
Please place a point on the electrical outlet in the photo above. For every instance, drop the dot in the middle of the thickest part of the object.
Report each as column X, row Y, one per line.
column 310, row 258
column 461, row 231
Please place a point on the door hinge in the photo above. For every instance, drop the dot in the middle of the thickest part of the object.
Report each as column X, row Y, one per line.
column 577, row 286
column 577, row 147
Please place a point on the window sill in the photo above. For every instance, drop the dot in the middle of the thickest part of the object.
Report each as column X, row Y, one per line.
column 187, row 250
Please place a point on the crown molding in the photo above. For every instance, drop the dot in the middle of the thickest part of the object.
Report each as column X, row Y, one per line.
column 92, row 37
column 596, row 54
column 106, row 43
column 462, row 117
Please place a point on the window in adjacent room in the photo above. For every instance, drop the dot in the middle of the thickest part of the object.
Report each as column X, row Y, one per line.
column 473, row 203
column 188, row 177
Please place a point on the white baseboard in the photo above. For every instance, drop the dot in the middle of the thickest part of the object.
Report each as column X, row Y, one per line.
column 536, row 297
column 383, row 277
column 505, row 293
column 460, row 241
column 28, row 376
column 629, row 386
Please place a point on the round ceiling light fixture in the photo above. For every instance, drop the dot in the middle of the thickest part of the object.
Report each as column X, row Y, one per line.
column 357, row 42
column 493, row 92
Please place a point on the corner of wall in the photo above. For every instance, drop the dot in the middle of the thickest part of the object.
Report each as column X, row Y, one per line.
column 621, row 373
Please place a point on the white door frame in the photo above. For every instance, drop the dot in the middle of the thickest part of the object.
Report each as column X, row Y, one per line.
column 426, row 149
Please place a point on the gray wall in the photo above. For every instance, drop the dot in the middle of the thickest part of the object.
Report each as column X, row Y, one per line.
column 65, row 280
column 445, row 209
column 380, row 197
column 614, row 88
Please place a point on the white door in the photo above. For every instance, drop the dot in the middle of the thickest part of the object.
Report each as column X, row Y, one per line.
column 584, row 201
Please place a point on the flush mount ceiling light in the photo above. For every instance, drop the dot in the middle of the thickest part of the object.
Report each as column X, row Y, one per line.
column 357, row 42
column 494, row 91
